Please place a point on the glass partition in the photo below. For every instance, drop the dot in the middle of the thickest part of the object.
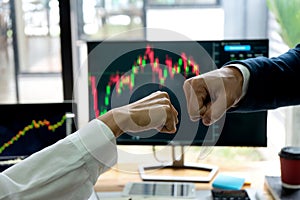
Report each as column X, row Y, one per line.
column 30, row 52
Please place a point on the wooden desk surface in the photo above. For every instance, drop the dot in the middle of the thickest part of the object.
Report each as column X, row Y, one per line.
column 116, row 178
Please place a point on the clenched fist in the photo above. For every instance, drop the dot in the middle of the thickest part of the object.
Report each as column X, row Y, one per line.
column 211, row 94
column 152, row 112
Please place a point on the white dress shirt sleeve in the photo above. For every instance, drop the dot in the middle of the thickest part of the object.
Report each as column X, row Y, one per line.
column 66, row 170
column 246, row 76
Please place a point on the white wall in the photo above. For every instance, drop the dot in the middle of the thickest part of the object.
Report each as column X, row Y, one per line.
column 194, row 23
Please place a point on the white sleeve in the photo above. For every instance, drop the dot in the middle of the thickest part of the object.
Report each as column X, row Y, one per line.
column 246, row 76
column 66, row 170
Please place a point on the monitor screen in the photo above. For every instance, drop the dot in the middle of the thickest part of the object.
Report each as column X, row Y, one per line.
column 28, row 128
column 121, row 72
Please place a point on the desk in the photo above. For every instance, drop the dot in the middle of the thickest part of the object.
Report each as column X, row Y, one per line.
column 116, row 178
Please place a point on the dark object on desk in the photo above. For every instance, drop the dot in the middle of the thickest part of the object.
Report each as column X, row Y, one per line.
column 230, row 194
column 274, row 185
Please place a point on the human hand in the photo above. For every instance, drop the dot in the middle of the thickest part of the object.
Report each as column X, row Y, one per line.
column 152, row 112
column 211, row 94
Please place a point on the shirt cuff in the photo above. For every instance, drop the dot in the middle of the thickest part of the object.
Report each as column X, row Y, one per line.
column 99, row 141
column 246, row 76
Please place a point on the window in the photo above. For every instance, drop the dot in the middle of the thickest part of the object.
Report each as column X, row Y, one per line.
column 31, row 65
column 99, row 19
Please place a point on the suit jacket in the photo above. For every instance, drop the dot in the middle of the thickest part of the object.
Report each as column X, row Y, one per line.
column 274, row 82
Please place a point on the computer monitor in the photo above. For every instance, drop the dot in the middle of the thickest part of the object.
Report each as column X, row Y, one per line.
column 28, row 128
column 121, row 72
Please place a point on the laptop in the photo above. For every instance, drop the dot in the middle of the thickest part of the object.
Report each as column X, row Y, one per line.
column 28, row 128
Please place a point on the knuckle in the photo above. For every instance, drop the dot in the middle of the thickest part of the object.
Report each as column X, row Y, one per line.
column 165, row 100
column 162, row 94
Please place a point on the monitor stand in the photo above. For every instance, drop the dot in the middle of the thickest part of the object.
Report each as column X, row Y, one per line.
column 178, row 165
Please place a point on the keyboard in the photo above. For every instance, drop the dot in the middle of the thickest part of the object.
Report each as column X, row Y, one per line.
column 230, row 194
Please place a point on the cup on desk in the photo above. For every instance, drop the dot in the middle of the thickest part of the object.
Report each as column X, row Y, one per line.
column 290, row 167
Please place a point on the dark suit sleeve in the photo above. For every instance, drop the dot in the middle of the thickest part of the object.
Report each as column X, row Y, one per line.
column 274, row 82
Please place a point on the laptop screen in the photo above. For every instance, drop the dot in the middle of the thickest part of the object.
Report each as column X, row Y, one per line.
column 28, row 128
